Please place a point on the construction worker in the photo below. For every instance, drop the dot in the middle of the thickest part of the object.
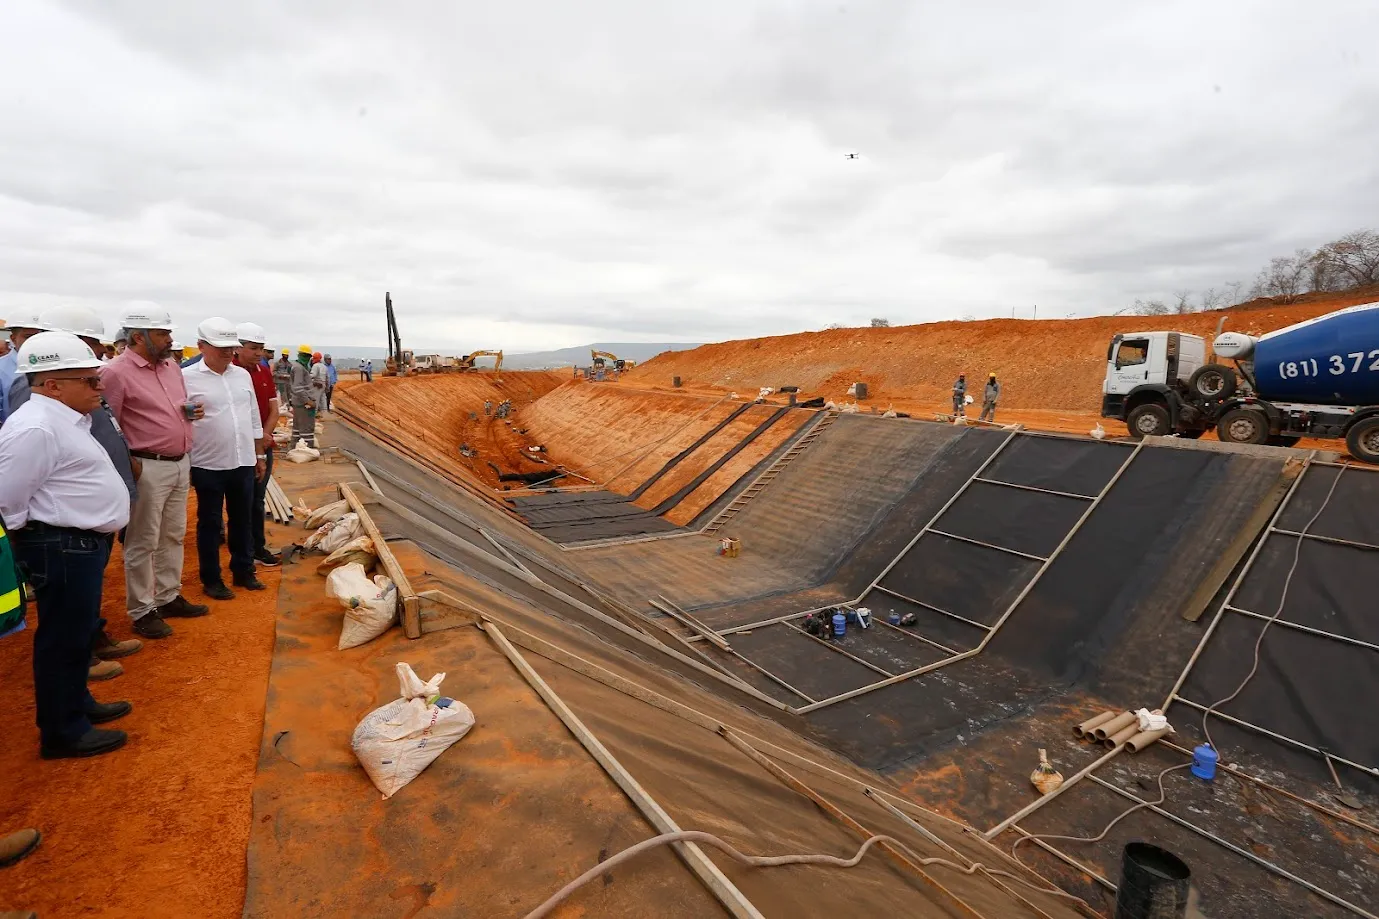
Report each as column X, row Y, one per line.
column 366, row 371
column 282, row 378
column 303, row 398
column 990, row 395
column 320, row 383
column 65, row 501
column 332, row 378
column 960, row 395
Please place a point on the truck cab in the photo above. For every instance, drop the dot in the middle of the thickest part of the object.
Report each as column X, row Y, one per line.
column 1149, row 368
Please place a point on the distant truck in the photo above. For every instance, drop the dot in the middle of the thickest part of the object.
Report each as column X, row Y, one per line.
column 1319, row 378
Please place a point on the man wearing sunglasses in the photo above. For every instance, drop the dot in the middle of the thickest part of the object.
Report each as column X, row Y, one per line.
column 64, row 501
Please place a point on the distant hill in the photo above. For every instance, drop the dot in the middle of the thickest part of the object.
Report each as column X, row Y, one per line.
column 579, row 356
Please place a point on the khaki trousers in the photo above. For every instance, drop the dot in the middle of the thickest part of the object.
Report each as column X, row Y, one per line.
column 153, row 542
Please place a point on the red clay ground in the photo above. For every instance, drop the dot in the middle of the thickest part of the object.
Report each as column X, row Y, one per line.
column 159, row 827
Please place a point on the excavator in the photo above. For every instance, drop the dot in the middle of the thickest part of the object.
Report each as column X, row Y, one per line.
column 602, row 358
column 466, row 363
column 399, row 361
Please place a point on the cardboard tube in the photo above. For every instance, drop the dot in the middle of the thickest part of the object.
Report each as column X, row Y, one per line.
column 1124, row 734
column 1118, row 723
column 1085, row 728
column 1145, row 738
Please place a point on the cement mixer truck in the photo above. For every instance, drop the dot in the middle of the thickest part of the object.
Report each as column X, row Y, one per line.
column 1319, row 378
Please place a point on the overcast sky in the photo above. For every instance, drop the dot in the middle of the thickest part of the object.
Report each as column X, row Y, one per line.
column 528, row 175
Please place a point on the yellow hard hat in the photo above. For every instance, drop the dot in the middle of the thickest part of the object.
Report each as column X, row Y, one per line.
column 993, row 373
column 304, row 349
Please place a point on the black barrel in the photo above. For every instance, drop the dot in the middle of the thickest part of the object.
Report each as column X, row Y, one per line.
column 675, row 381
column 861, row 390
column 1153, row 883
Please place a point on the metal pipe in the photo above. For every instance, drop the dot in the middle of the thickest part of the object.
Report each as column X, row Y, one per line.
column 1244, row 853
column 1215, row 713
column 988, row 545
column 833, row 646
column 1332, row 539
column 929, row 606
column 1304, row 628
column 1044, row 491
column 898, row 678
column 1322, row 808
column 1033, row 806
column 1230, row 595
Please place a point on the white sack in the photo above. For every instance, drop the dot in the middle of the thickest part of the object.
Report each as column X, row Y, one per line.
column 370, row 605
column 331, row 536
column 397, row 741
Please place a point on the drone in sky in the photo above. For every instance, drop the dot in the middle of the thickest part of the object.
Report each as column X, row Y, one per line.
column 853, row 156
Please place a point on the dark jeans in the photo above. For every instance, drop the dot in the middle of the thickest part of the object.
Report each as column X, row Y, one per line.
column 229, row 492
column 65, row 569
column 256, row 513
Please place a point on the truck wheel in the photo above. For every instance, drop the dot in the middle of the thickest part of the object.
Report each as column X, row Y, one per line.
column 1283, row 440
column 1363, row 440
column 1212, row 382
column 1243, row 426
column 1149, row 419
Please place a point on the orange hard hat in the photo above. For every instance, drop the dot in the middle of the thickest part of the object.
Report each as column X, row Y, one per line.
column 316, row 356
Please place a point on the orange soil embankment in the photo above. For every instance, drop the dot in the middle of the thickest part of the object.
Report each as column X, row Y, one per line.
column 433, row 414
column 1052, row 365
column 159, row 827
column 619, row 435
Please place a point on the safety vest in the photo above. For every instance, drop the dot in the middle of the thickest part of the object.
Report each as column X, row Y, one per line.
column 11, row 601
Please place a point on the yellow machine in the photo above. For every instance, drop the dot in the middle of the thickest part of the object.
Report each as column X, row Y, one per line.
column 467, row 362
column 602, row 358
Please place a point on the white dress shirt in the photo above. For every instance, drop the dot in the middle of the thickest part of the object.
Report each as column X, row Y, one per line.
column 224, row 439
column 52, row 470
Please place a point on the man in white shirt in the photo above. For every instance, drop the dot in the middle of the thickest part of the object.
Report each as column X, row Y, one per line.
column 223, row 461
column 63, row 502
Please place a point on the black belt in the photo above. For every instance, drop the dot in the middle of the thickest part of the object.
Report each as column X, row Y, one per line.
column 37, row 527
column 145, row 454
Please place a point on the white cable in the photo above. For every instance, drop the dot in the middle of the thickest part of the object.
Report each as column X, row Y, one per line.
column 768, row 861
column 1282, row 599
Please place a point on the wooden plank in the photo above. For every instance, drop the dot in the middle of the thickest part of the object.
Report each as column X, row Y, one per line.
column 368, row 477
column 1231, row 554
column 409, row 604
column 441, row 611
column 689, row 622
column 733, row 900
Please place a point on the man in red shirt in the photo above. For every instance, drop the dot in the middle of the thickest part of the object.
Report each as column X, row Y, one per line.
column 148, row 397
column 251, row 356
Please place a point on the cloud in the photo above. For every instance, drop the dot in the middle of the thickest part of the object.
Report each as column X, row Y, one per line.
column 530, row 176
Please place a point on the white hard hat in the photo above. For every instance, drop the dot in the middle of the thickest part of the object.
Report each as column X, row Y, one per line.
column 78, row 320
column 25, row 319
column 251, row 331
column 55, row 351
column 176, row 346
column 146, row 315
column 218, row 332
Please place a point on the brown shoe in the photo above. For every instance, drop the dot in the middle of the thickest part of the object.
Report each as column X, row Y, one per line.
column 181, row 608
column 108, row 649
column 17, row 845
column 104, row 670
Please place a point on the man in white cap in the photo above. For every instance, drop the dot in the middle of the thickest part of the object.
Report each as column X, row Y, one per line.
column 20, row 326
column 252, row 356
column 224, row 459
column 149, row 398
column 86, row 325
column 63, row 501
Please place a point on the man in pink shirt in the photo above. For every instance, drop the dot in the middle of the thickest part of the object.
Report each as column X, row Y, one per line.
column 149, row 399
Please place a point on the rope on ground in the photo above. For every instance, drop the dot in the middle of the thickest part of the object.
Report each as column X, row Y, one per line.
column 767, row 861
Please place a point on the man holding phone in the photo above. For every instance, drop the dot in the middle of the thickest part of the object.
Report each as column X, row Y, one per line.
column 146, row 392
